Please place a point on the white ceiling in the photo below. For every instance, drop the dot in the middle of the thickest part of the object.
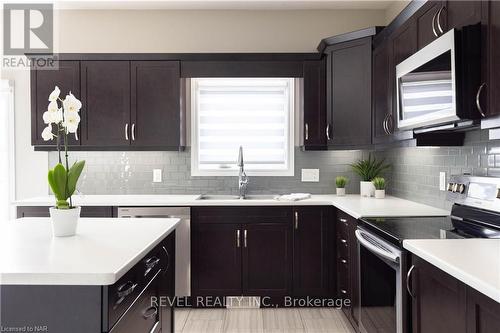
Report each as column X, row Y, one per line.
column 222, row 4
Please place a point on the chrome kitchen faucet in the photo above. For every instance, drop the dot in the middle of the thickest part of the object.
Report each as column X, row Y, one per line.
column 242, row 176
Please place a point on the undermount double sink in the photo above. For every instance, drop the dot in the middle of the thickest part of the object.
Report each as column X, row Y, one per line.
column 224, row 197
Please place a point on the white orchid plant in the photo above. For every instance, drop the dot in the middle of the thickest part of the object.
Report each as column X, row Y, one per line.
column 61, row 121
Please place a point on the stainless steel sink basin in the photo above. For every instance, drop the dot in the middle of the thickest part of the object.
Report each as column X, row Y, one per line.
column 235, row 197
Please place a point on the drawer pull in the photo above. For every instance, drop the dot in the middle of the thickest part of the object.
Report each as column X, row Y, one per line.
column 150, row 264
column 168, row 258
column 156, row 328
column 343, row 241
column 343, row 291
column 343, row 220
column 343, row 261
column 124, row 290
column 150, row 312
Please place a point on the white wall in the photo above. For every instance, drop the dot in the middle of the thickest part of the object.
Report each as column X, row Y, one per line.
column 173, row 31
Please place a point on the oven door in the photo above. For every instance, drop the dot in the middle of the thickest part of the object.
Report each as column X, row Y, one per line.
column 380, row 285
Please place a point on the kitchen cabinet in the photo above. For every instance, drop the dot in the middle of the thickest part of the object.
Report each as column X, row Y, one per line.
column 483, row 313
column 349, row 77
column 490, row 94
column 155, row 104
column 430, row 22
column 67, row 78
column 105, row 103
column 314, row 121
column 87, row 211
column 347, row 265
column 313, row 251
column 439, row 300
column 241, row 251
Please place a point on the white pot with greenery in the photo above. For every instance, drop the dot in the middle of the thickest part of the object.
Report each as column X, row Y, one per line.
column 379, row 184
column 341, row 182
column 367, row 171
column 62, row 179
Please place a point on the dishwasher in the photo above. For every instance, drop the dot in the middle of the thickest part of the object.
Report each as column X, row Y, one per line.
column 182, row 240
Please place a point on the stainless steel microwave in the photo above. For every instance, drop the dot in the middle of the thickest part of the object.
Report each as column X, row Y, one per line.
column 438, row 87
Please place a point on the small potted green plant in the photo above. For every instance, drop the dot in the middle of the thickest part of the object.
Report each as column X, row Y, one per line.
column 341, row 182
column 379, row 184
column 62, row 119
column 367, row 170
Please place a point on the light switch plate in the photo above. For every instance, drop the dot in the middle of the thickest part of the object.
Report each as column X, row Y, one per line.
column 310, row 175
column 156, row 175
column 442, row 181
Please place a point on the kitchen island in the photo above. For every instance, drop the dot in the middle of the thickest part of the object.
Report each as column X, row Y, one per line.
column 107, row 278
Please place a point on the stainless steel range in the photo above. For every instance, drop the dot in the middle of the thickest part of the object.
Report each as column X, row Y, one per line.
column 383, row 268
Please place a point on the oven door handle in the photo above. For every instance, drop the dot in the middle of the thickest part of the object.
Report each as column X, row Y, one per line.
column 384, row 254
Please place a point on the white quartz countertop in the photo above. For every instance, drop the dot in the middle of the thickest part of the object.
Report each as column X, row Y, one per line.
column 353, row 204
column 103, row 250
column 475, row 262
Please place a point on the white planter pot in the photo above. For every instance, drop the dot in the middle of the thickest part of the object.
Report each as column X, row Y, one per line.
column 367, row 189
column 340, row 191
column 379, row 194
column 64, row 221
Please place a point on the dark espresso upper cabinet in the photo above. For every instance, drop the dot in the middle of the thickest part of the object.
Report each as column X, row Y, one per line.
column 155, row 104
column 490, row 94
column 349, row 76
column 106, row 103
column 314, row 130
column 67, row 78
column 430, row 22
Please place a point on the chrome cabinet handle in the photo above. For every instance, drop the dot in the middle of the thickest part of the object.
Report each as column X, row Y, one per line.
column 238, row 238
column 307, row 131
column 343, row 261
column 408, row 278
column 438, row 20
column 133, row 132
column 296, row 220
column 126, row 131
column 343, row 291
column 434, row 31
column 343, row 241
column 384, row 124
column 150, row 312
column 168, row 258
column 328, row 132
column 155, row 328
column 126, row 289
column 343, row 220
column 390, row 124
column 245, row 238
column 478, row 99
column 150, row 264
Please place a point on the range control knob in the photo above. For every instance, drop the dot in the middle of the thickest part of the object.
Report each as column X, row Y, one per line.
column 461, row 188
column 498, row 194
column 455, row 188
column 450, row 187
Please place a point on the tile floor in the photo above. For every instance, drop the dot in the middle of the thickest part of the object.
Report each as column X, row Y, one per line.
column 296, row 320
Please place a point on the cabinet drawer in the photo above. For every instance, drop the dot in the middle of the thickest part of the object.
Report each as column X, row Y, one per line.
column 143, row 316
column 123, row 293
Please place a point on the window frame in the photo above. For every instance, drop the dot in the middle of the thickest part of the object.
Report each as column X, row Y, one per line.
column 289, row 171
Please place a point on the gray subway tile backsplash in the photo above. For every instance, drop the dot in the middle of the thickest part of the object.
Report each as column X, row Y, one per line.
column 414, row 174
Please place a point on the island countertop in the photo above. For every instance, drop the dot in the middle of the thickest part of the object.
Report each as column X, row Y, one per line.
column 101, row 252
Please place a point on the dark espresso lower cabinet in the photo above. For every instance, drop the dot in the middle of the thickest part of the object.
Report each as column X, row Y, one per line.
column 239, row 251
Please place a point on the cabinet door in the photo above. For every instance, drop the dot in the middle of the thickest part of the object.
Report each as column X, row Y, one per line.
column 383, row 118
column 483, row 313
column 216, row 259
column 462, row 13
column 155, row 106
column 167, row 283
column 312, row 250
column 67, row 78
column 106, row 103
column 431, row 22
column 491, row 92
column 314, row 104
column 267, row 259
column 439, row 304
column 349, row 89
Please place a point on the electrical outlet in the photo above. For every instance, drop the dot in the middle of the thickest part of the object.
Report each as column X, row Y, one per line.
column 442, row 181
column 156, row 175
column 310, row 175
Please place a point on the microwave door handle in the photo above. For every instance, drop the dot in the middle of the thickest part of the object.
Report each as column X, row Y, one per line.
column 384, row 254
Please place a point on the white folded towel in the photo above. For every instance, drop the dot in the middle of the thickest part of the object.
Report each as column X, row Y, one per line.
column 294, row 197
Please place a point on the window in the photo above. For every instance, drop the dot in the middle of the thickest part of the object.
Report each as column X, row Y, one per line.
column 6, row 150
column 255, row 113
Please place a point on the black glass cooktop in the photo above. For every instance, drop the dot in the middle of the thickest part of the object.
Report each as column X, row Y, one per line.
column 397, row 229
